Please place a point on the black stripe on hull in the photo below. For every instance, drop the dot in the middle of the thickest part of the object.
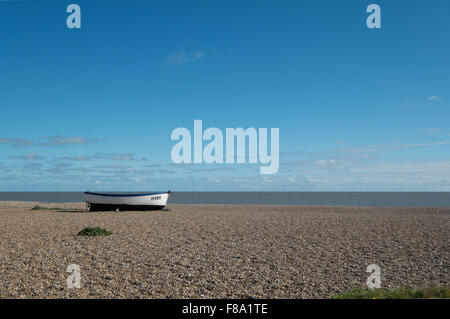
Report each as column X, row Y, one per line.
column 109, row 207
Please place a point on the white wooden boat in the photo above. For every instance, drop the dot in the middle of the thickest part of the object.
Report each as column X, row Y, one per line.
column 124, row 202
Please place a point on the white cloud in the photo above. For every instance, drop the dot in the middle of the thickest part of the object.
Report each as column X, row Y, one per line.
column 178, row 57
column 268, row 179
column 316, row 180
column 384, row 148
column 185, row 56
column 425, row 144
column 326, row 162
column 16, row 142
column 114, row 157
column 434, row 130
column 29, row 157
column 71, row 140
column 406, row 167
column 321, row 162
column 433, row 98
column 113, row 166
column 75, row 158
column 199, row 54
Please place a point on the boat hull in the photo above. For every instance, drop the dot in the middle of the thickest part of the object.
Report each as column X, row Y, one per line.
column 126, row 202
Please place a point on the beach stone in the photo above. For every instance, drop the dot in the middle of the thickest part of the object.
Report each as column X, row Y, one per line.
column 219, row 251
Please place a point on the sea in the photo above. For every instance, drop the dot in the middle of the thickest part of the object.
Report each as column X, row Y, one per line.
column 380, row 199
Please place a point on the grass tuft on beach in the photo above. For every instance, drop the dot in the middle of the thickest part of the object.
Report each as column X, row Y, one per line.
column 400, row 293
column 94, row 231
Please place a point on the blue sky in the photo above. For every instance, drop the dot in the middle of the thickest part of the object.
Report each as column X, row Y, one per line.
column 94, row 108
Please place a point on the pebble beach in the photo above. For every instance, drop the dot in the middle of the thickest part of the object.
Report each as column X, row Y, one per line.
column 219, row 251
